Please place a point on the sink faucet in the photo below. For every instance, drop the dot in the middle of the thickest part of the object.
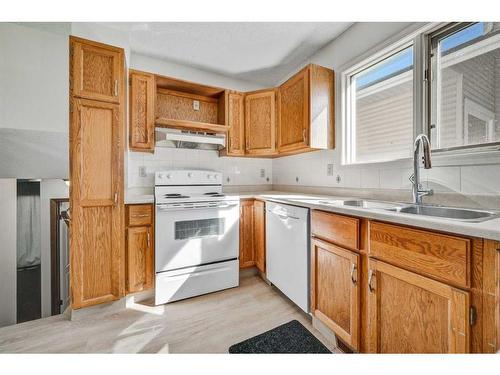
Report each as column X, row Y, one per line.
column 417, row 190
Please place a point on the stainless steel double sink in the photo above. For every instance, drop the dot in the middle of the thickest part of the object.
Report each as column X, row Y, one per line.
column 452, row 213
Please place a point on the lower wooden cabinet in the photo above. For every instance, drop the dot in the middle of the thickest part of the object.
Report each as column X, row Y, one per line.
column 252, row 234
column 335, row 289
column 140, row 248
column 259, row 217
column 409, row 313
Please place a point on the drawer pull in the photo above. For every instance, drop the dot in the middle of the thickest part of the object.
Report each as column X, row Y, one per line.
column 353, row 271
column 140, row 215
column 370, row 279
column 149, row 241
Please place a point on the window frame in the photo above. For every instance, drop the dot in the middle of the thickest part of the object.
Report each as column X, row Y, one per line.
column 440, row 32
column 420, row 36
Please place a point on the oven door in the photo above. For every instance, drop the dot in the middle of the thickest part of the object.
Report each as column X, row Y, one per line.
column 193, row 234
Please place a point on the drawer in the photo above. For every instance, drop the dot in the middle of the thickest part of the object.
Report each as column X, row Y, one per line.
column 443, row 256
column 139, row 214
column 338, row 229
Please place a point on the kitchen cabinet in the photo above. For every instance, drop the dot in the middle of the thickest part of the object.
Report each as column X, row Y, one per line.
column 491, row 296
column 142, row 111
column 306, row 111
column 259, row 215
column 260, row 123
column 236, row 121
column 140, row 248
column 410, row 313
column 96, row 71
column 96, row 175
column 247, row 253
column 335, row 295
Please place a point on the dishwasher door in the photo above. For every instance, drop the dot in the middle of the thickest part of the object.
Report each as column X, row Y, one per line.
column 287, row 251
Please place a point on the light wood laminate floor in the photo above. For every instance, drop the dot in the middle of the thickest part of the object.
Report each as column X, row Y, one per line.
column 205, row 324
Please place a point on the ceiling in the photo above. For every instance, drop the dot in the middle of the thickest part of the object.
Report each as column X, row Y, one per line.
column 263, row 52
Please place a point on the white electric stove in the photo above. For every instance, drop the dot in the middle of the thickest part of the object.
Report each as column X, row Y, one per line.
column 196, row 235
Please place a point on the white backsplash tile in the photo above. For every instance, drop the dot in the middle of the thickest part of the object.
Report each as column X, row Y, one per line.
column 480, row 179
column 442, row 179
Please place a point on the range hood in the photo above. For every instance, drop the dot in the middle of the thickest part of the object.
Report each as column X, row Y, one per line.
column 175, row 138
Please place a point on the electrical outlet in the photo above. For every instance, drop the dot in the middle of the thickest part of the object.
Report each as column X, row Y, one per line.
column 262, row 173
column 142, row 171
column 338, row 179
column 196, row 105
column 329, row 169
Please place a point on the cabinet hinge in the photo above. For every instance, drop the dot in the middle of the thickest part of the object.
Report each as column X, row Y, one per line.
column 472, row 315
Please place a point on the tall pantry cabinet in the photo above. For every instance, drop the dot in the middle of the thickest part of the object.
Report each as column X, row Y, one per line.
column 97, row 84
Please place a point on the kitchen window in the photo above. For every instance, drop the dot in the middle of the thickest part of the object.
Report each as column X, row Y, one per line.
column 380, row 108
column 442, row 80
column 465, row 85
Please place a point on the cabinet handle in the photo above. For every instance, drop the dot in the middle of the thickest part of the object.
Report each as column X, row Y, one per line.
column 116, row 199
column 149, row 240
column 140, row 215
column 370, row 278
column 116, row 87
column 353, row 271
column 304, row 135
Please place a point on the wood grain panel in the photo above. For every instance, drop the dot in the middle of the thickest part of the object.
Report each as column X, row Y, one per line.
column 236, row 123
column 259, row 216
column 322, row 108
column 140, row 258
column 293, row 112
column 247, row 255
column 179, row 106
column 96, row 172
column 491, row 297
column 443, row 256
column 96, row 70
column 139, row 214
column 335, row 291
column 410, row 313
column 338, row 229
column 260, row 122
column 142, row 111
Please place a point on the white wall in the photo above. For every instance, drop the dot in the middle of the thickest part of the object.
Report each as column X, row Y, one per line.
column 34, row 100
column 49, row 189
column 239, row 171
column 466, row 175
column 8, row 251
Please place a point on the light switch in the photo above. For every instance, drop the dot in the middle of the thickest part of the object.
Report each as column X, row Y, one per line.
column 329, row 169
column 142, row 171
column 196, row 105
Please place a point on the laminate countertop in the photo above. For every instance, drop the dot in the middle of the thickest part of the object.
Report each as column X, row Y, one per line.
column 489, row 229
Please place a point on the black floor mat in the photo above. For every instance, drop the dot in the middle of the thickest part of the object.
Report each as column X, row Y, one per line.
column 291, row 337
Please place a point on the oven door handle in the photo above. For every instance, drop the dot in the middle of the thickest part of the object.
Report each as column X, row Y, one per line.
column 196, row 206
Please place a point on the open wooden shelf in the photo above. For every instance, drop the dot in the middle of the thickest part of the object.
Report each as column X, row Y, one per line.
column 190, row 125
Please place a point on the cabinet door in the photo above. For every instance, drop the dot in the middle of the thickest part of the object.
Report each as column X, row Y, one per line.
column 142, row 111
column 491, row 296
column 96, row 71
column 260, row 123
column 247, row 258
column 335, row 291
column 236, row 122
column 293, row 110
column 140, row 258
column 409, row 313
column 96, row 175
column 260, row 235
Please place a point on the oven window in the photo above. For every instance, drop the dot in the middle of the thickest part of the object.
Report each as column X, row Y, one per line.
column 199, row 228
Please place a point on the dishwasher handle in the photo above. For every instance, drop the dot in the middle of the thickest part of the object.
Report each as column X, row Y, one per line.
column 282, row 215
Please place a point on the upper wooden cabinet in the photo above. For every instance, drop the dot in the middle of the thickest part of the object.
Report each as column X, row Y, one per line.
column 96, row 71
column 409, row 313
column 306, row 111
column 142, row 111
column 335, row 296
column 96, row 172
column 260, row 122
column 235, row 142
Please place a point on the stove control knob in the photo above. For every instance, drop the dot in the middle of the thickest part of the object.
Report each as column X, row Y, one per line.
column 169, row 176
column 209, row 177
column 190, row 175
column 160, row 176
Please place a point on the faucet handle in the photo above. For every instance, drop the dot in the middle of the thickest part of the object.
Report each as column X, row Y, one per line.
column 412, row 178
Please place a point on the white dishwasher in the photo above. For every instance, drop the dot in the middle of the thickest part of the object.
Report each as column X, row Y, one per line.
column 287, row 251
